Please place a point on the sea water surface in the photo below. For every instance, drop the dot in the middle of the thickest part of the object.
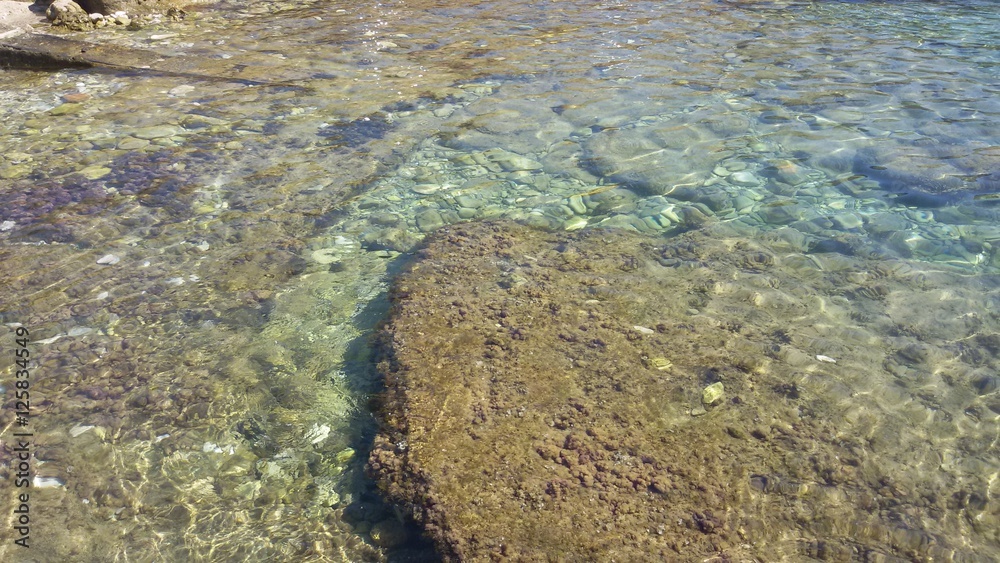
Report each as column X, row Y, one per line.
column 199, row 262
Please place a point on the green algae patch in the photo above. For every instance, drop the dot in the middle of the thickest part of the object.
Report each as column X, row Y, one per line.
column 526, row 416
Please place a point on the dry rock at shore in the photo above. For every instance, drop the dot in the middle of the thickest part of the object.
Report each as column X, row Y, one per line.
column 545, row 400
column 17, row 16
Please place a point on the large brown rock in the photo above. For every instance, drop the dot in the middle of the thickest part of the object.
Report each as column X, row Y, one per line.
column 544, row 401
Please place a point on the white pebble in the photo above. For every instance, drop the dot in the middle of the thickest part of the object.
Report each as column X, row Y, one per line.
column 181, row 90
column 80, row 429
column 108, row 259
column 50, row 340
column 46, row 482
column 317, row 433
column 744, row 178
column 426, row 189
column 211, row 447
column 575, row 223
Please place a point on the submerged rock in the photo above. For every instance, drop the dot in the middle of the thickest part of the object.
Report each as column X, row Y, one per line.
column 713, row 393
column 531, row 413
column 930, row 169
column 515, row 125
column 656, row 159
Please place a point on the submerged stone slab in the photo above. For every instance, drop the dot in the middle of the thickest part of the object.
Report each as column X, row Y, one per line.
column 545, row 400
column 40, row 51
column 931, row 169
column 655, row 159
column 664, row 156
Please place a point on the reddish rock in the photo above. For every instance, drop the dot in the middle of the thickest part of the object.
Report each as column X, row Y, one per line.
column 75, row 97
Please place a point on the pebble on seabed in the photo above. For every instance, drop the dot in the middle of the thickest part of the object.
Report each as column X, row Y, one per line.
column 744, row 178
column 108, row 260
column 712, row 394
column 46, row 482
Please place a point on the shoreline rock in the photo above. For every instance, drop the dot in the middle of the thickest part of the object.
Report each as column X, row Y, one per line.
column 18, row 17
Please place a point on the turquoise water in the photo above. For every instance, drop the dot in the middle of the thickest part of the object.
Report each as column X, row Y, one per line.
column 200, row 262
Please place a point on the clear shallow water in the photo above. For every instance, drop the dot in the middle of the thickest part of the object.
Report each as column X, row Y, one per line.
column 222, row 359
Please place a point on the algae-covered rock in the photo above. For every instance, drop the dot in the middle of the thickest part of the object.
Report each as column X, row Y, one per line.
column 388, row 533
column 531, row 420
column 66, row 12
